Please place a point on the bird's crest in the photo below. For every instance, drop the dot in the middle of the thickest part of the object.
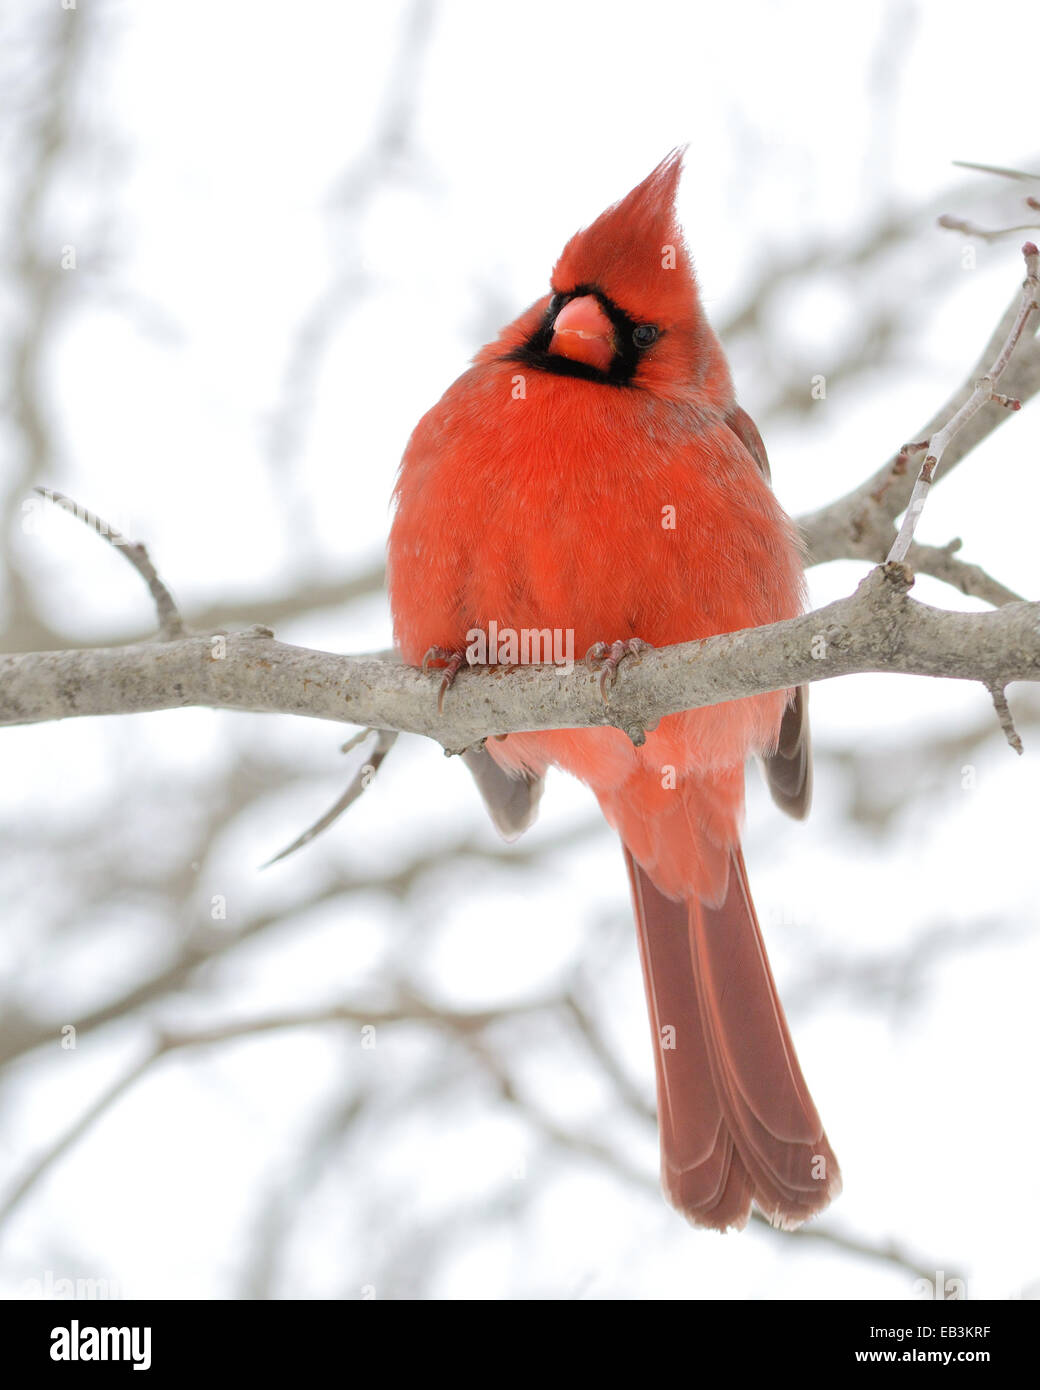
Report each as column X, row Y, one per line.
column 635, row 252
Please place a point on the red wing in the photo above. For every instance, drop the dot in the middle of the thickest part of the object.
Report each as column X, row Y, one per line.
column 742, row 425
column 788, row 770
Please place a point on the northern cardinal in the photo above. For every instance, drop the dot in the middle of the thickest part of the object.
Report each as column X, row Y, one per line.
column 591, row 471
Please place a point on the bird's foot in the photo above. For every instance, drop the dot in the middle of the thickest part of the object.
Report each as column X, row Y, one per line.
column 606, row 660
column 451, row 661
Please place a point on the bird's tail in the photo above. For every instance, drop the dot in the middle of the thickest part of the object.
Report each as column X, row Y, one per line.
column 736, row 1118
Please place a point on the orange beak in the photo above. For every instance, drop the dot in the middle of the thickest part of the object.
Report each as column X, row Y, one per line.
column 583, row 333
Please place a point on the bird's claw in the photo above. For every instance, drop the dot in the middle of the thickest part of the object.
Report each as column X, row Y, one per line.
column 451, row 662
column 607, row 659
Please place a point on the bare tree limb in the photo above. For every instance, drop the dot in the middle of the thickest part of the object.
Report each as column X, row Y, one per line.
column 878, row 628
column 860, row 525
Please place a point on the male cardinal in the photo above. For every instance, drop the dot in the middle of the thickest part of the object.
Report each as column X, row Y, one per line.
column 591, row 471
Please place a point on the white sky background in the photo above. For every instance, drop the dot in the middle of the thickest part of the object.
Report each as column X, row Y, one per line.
column 213, row 141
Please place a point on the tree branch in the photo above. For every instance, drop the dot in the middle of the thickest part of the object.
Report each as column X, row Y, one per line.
column 878, row 628
column 171, row 624
column 941, row 562
column 860, row 525
column 983, row 394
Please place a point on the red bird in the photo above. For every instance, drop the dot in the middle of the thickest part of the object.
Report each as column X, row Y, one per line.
column 592, row 472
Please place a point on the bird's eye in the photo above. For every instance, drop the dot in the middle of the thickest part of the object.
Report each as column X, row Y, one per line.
column 644, row 335
column 555, row 305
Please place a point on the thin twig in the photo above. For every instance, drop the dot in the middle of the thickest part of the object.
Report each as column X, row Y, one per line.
column 860, row 525
column 41, row 1165
column 958, row 224
column 983, row 393
column 972, row 229
column 171, row 624
column 385, row 740
column 1007, row 723
column 996, row 169
column 941, row 562
column 589, row 1029
column 885, row 1251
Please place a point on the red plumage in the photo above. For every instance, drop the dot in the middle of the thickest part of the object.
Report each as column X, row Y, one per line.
column 592, row 471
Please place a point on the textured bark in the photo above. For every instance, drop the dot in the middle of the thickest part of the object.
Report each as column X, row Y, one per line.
column 878, row 628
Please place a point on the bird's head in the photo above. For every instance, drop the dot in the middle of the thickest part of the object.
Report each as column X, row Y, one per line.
column 623, row 308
